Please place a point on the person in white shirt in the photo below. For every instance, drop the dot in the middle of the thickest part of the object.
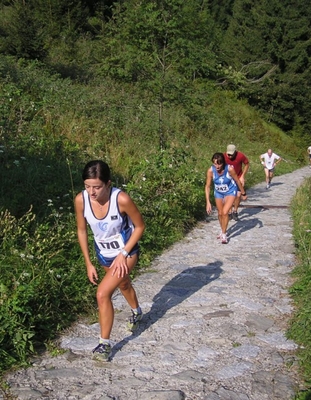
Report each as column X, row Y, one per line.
column 117, row 226
column 269, row 160
column 309, row 152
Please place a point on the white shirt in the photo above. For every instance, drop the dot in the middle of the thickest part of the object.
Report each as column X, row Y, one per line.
column 270, row 161
column 111, row 232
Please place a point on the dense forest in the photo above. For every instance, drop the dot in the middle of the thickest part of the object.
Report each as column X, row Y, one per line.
column 260, row 49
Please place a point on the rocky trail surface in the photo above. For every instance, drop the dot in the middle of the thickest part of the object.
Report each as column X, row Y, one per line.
column 215, row 319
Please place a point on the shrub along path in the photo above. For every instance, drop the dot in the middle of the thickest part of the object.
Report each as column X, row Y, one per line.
column 214, row 324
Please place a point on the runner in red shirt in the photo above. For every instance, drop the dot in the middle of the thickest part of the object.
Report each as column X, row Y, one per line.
column 238, row 160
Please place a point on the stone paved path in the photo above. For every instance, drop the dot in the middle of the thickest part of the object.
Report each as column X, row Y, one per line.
column 214, row 324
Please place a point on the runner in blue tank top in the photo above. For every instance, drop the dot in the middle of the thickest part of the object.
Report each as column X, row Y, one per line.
column 117, row 226
column 226, row 185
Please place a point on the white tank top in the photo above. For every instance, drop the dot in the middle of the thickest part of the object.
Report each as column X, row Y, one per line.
column 111, row 232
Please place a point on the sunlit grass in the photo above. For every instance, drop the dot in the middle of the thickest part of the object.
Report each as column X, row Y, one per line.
column 300, row 329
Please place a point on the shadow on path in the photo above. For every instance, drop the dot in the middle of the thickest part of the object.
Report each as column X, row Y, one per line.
column 174, row 292
column 246, row 222
column 276, row 184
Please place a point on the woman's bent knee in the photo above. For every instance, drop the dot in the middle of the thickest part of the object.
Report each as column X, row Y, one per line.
column 125, row 284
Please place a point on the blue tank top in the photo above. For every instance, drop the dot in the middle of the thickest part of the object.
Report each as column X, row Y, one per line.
column 223, row 183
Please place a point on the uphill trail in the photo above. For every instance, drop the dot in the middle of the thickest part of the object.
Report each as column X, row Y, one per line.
column 215, row 319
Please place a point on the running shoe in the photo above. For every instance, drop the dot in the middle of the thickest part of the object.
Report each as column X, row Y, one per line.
column 102, row 352
column 230, row 216
column 224, row 239
column 219, row 235
column 134, row 321
column 235, row 216
column 268, row 186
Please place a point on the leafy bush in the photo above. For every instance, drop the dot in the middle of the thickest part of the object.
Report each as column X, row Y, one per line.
column 169, row 191
column 41, row 280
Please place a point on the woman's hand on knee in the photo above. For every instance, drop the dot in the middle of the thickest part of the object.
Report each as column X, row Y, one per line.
column 119, row 266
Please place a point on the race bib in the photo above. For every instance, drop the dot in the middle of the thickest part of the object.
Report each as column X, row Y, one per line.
column 110, row 247
column 222, row 188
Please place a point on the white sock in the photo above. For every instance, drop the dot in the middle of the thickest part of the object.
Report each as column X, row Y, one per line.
column 104, row 341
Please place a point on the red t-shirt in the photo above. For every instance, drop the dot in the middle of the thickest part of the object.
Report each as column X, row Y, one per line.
column 238, row 162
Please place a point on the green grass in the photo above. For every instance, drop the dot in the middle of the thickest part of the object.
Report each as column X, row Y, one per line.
column 300, row 329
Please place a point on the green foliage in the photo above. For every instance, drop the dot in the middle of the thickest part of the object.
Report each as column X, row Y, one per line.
column 169, row 192
column 221, row 11
column 300, row 329
column 29, row 28
column 267, row 59
column 146, row 39
column 260, row 49
column 41, row 280
column 21, row 34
